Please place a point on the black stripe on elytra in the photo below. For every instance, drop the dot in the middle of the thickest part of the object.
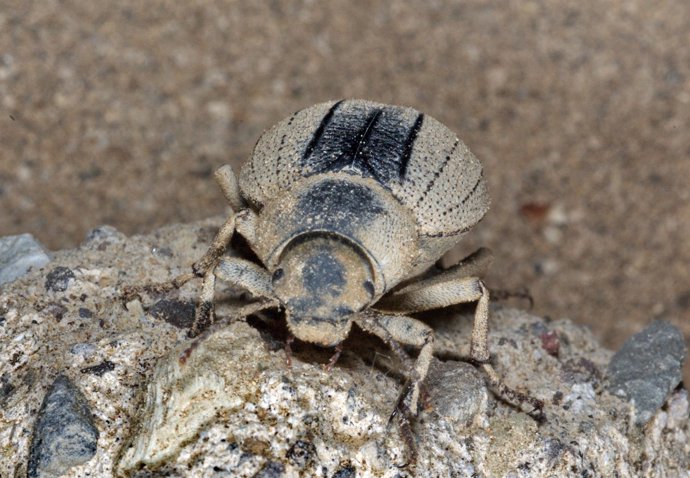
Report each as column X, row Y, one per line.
column 366, row 141
column 366, row 132
column 316, row 137
column 360, row 156
column 409, row 144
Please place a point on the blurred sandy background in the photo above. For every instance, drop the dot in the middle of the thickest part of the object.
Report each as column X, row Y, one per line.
column 118, row 112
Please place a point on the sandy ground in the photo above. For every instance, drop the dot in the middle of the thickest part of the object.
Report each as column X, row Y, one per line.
column 119, row 113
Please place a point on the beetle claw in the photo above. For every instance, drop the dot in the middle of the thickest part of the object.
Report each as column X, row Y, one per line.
column 288, row 350
column 334, row 358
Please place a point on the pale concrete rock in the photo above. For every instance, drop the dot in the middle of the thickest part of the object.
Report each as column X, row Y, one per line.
column 19, row 254
column 226, row 404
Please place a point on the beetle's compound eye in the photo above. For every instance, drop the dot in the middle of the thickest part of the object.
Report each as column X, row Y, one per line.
column 322, row 287
column 369, row 287
column 278, row 274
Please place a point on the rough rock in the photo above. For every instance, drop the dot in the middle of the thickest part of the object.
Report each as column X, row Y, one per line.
column 64, row 435
column 58, row 279
column 226, row 403
column 18, row 254
column 648, row 367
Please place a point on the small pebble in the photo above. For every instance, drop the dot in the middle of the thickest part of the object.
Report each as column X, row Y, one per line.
column 301, row 453
column 18, row 254
column 102, row 233
column 347, row 472
column 457, row 391
column 271, row 469
column 648, row 368
column 175, row 312
column 58, row 280
column 64, row 435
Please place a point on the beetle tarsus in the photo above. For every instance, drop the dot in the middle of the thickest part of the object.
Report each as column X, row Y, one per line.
column 404, row 416
column 288, row 350
column 334, row 358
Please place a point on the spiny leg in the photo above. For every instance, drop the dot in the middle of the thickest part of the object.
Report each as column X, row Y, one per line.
column 217, row 248
column 240, row 313
column 479, row 351
column 334, row 358
column 238, row 272
column 228, row 184
column 450, row 288
column 405, row 330
column 203, row 313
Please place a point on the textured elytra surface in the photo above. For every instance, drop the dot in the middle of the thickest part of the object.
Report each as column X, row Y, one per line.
column 274, row 418
column 413, row 155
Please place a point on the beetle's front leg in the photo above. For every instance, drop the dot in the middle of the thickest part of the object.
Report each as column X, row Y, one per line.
column 409, row 331
column 240, row 273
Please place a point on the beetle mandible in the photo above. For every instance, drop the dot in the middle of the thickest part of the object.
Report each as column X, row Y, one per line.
column 346, row 203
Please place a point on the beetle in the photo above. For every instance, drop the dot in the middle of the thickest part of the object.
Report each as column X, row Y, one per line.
column 348, row 205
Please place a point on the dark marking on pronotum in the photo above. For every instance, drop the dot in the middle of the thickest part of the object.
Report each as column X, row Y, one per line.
column 338, row 206
column 323, row 274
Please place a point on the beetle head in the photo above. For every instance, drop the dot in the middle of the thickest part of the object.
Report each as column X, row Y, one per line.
column 322, row 281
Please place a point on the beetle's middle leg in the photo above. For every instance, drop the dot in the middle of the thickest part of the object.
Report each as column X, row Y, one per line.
column 203, row 267
column 449, row 288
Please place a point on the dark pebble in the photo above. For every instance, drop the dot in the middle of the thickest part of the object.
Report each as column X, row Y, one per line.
column 347, row 472
column 6, row 388
column 85, row 313
column 56, row 310
column 64, row 434
column 58, row 279
column 100, row 369
column 271, row 469
column 176, row 312
column 648, row 368
column 301, row 453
